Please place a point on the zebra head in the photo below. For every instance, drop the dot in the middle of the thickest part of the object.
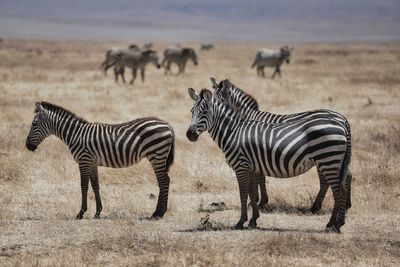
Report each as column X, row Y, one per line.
column 39, row 129
column 200, row 113
column 152, row 56
column 190, row 53
column 286, row 53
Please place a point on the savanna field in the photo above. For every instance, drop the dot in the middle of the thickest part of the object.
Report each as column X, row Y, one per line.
column 40, row 192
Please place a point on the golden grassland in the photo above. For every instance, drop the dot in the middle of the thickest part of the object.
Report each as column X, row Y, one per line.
column 40, row 192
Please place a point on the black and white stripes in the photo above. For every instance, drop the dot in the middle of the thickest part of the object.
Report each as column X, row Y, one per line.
column 109, row 145
column 248, row 107
column 280, row 150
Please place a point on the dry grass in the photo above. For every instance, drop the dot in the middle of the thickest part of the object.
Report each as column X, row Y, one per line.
column 40, row 192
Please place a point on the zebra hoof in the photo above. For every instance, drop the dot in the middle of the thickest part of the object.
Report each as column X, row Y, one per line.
column 333, row 229
column 239, row 226
column 96, row 216
column 253, row 225
column 79, row 216
column 155, row 217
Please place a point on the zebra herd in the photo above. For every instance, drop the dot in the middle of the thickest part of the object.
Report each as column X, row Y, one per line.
column 256, row 144
column 136, row 58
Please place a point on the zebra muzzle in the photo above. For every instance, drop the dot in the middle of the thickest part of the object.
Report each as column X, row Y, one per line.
column 191, row 135
column 30, row 147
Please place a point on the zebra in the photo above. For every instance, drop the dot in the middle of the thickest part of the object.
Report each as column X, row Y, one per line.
column 279, row 150
column 269, row 58
column 109, row 145
column 207, row 46
column 180, row 56
column 249, row 108
column 113, row 53
column 134, row 59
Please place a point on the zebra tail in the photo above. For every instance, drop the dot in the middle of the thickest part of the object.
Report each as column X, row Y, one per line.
column 347, row 156
column 170, row 158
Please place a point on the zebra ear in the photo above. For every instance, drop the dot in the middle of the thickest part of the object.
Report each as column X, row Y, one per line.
column 214, row 82
column 193, row 94
column 207, row 95
column 38, row 106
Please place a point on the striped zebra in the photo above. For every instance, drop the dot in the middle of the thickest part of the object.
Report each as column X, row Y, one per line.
column 112, row 54
column 270, row 58
column 248, row 106
column 279, row 150
column 108, row 145
column 180, row 56
column 133, row 59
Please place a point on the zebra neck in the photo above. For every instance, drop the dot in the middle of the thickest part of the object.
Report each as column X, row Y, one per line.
column 66, row 128
column 224, row 128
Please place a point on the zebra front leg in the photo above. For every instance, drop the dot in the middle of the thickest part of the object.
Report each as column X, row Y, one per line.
column 94, row 180
column 253, row 192
column 142, row 74
column 260, row 179
column 275, row 71
column 163, row 184
column 243, row 181
column 116, row 74
column 134, row 71
column 323, row 188
column 262, row 72
column 85, row 174
column 168, row 69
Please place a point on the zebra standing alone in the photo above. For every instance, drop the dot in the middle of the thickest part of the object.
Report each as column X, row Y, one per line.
column 108, row 145
column 279, row 150
column 180, row 56
column 248, row 106
column 269, row 58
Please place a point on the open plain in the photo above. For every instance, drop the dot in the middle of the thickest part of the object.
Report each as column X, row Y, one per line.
column 40, row 191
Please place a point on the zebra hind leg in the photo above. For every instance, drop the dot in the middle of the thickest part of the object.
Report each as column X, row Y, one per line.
column 253, row 192
column 323, row 188
column 338, row 214
column 163, row 184
column 348, row 189
column 263, row 191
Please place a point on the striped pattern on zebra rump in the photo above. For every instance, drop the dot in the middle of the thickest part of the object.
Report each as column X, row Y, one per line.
column 248, row 107
column 109, row 145
column 279, row 150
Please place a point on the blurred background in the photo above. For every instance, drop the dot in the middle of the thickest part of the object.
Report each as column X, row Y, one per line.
column 182, row 20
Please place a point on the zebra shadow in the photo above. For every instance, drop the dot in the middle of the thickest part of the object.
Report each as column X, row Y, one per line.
column 220, row 227
column 290, row 209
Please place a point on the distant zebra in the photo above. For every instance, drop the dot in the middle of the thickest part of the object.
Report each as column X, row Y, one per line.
column 269, row 58
column 108, row 145
column 207, row 46
column 113, row 53
column 180, row 56
column 248, row 106
column 279, row 150
column 133, row 59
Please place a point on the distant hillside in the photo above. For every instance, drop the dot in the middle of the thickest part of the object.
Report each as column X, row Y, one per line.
column 178, row 20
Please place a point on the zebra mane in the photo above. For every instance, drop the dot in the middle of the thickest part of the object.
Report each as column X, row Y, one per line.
column 236, row 90
column 57, row 109
column 231, row 110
